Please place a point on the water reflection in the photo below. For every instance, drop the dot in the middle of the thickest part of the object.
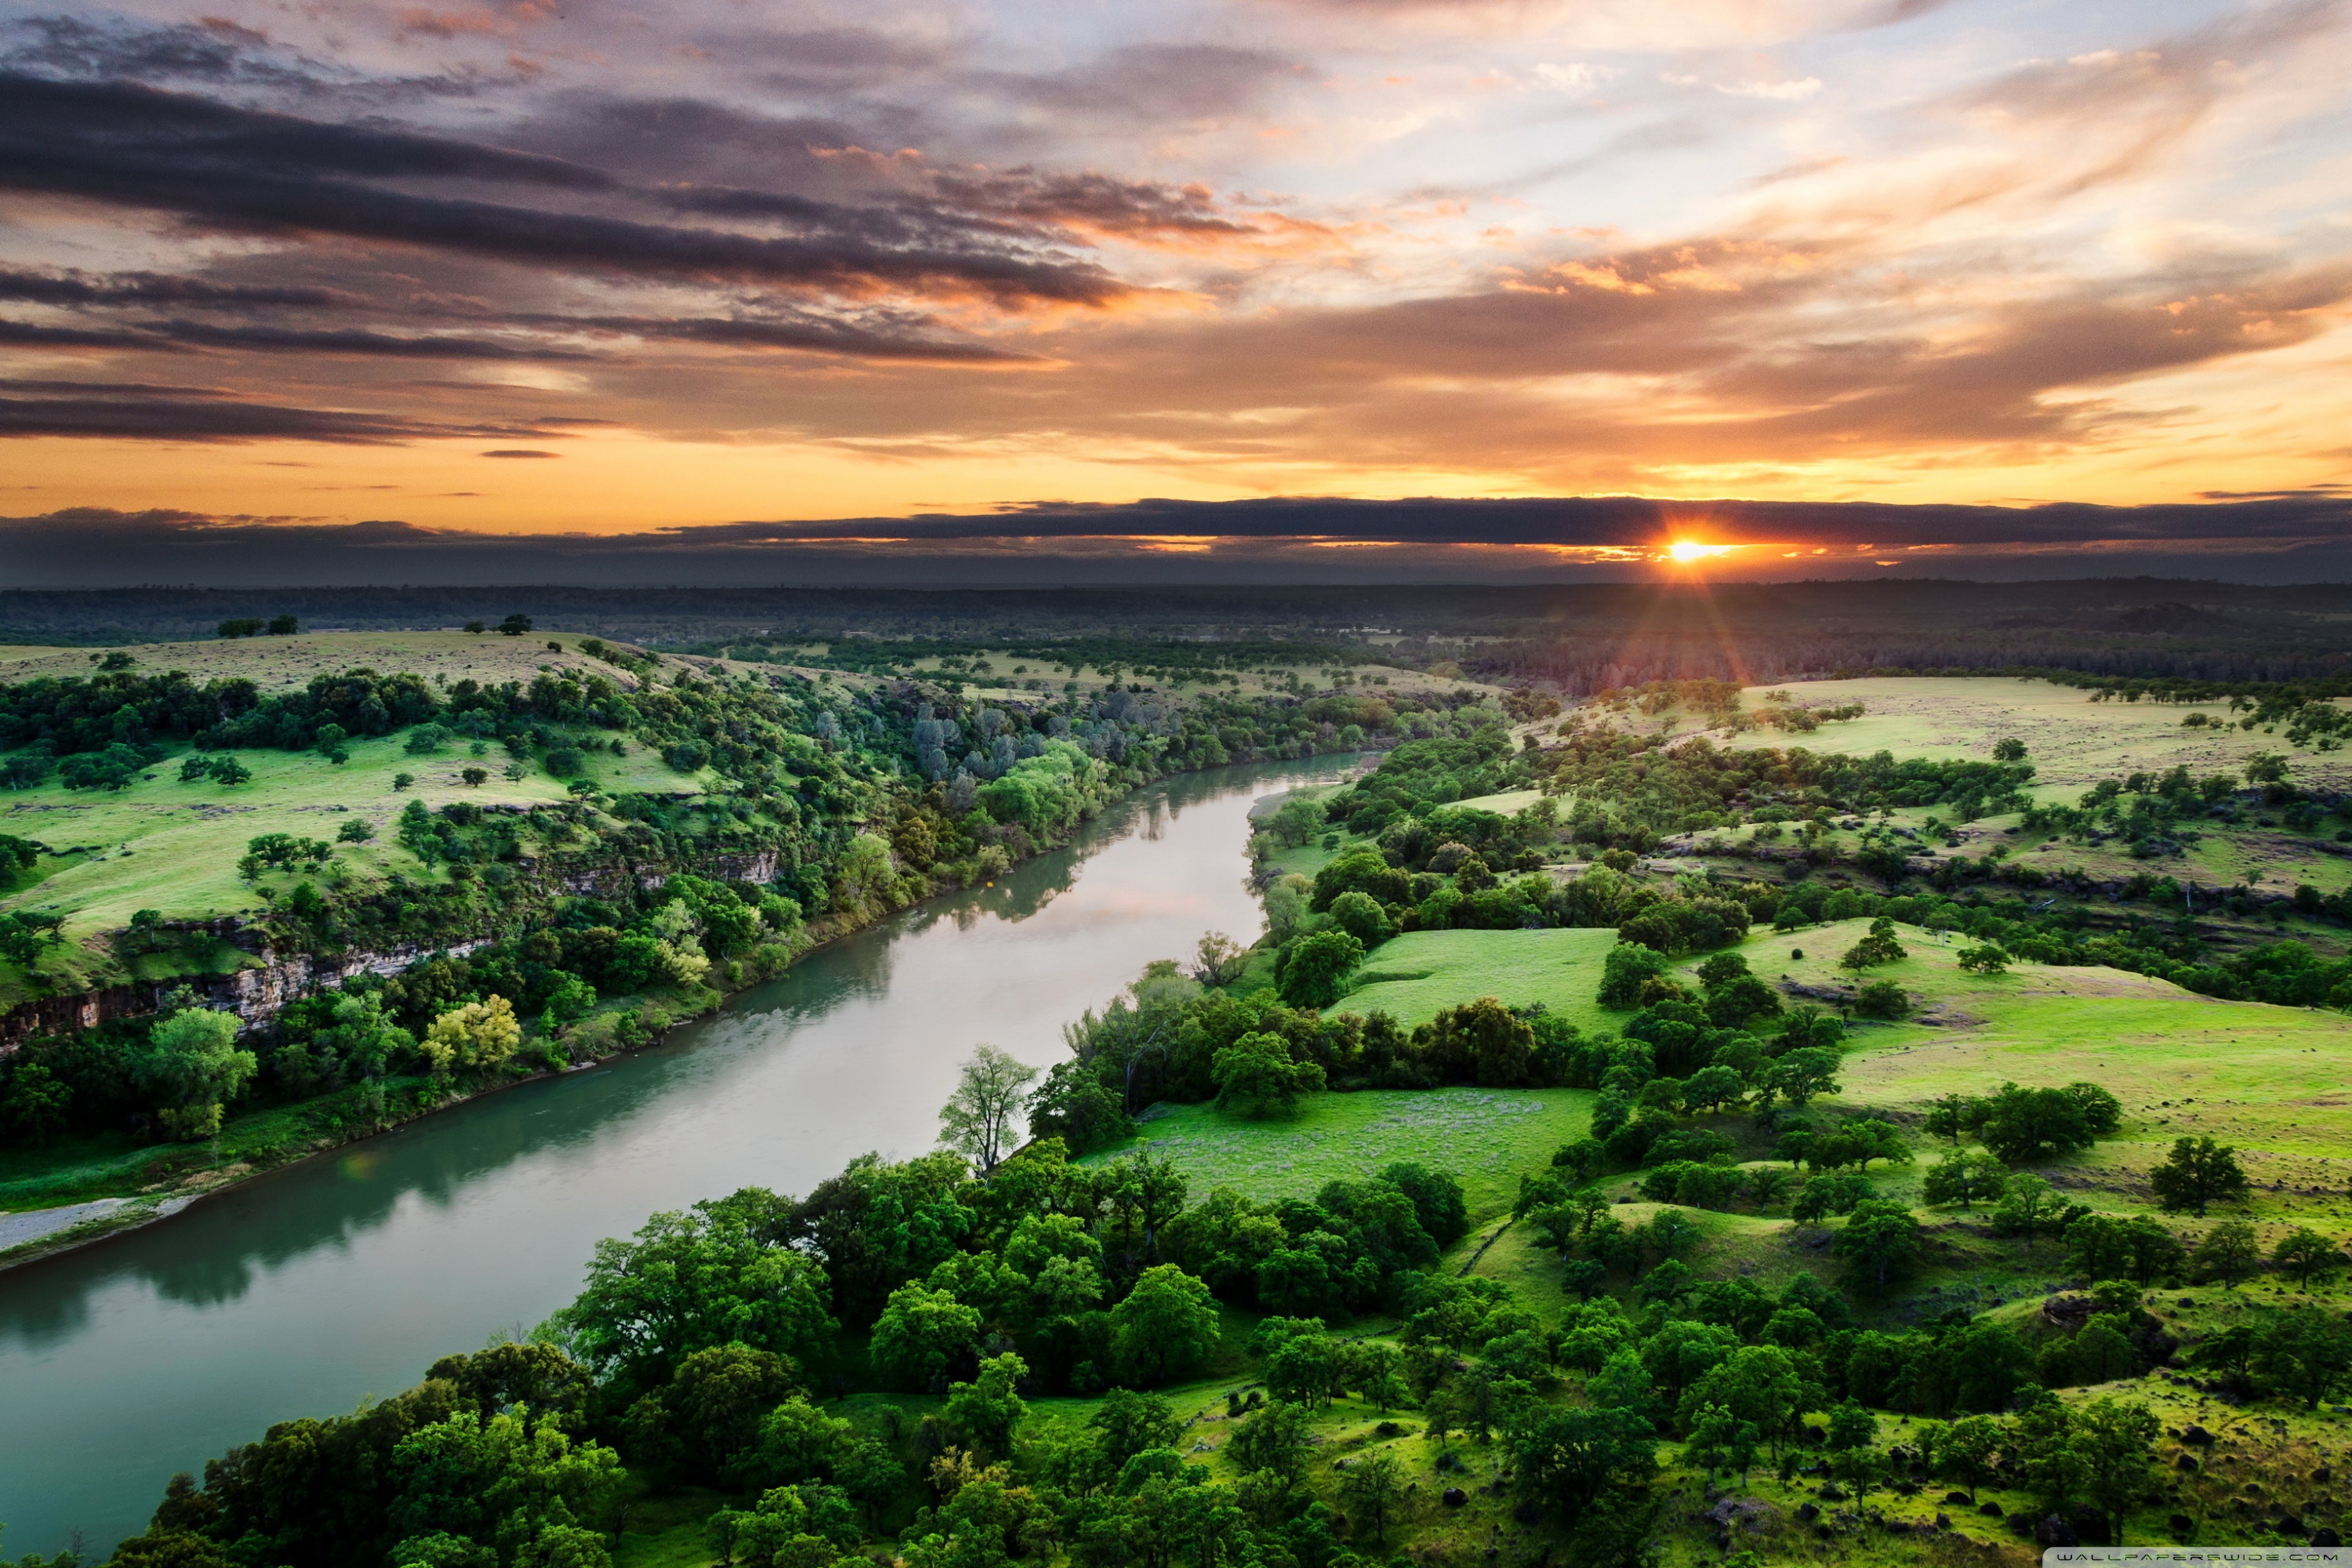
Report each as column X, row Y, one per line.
column 344, row 1276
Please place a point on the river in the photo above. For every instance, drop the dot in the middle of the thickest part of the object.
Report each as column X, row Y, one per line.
column 340, row 1279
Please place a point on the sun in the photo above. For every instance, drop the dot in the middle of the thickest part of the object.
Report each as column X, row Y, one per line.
column 1683, row 552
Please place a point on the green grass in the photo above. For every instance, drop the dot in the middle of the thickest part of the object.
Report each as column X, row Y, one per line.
column 2072, row 741
column 173, row 847
column 1510, row 803
column 2266, row 1080
column 1487, row 1138
column 1415, row 975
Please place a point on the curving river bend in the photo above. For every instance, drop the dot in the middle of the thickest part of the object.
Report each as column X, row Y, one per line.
column 314, row 1288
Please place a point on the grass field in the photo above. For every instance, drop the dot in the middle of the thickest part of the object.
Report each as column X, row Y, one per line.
column 2266, row 1080
column 1510, row 803
column 1414, row 976
column 173, row 847
column 1487, row 1138
column 2072, row 741
column 279, row 664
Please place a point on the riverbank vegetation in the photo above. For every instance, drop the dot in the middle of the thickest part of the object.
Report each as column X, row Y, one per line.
column 401, row 890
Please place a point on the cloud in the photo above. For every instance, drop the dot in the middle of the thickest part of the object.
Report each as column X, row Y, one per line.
column 139, row 412
column 1288, row 540
column 274, row 173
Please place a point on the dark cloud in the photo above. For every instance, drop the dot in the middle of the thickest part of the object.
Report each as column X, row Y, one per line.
column 213, row 52
column 2300, row 539
column 118, row 411
column 77, row 287
column 241, row 169
column 520, row 452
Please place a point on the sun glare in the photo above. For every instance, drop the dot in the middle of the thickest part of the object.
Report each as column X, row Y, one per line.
column 1683, row 552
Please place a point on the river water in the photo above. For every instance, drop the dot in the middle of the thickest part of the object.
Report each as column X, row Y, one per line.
column 313, row 1289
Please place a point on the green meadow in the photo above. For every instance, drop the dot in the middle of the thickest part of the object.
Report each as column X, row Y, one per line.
column 1487, row 1137
column 1414, row 977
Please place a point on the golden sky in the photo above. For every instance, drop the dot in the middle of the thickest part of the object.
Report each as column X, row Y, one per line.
column 618, row 268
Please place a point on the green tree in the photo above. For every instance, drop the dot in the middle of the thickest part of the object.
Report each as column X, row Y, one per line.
column 688, row 1280
column 979, row 1118
column 1361, row 917
column 1315, row 967
column 1880, row 1239
column 1970, row 1451
column 2304, row 1352
column 2116, row 1440
column 1277, row 1438
column 1370, row 1489
column 2230, row 1252
column 921, row 1338
column 1951, row 1117
column 1802, row 1074
column 2033, row 1126
column 1256, row 1078
column 989, row 1410
column 191, row 1069
column 1572, row 1457
column 1967, row 1178
column 1878, row 947
column 473, row 1037
column 2197, row 1172
column 1988, row 959
column 512, row 1481
column 1167, row 1323
column 1625, row 971
column 1759, row 1387
column 2304, row 1253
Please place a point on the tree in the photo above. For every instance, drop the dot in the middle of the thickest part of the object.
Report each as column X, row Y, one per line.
column 687, row 1280
column 2305, row 1351
column 514, row 625
column 1966, row 1177
column 1970, row 1451
column 514, row 1477
column 1756, row 1385
column 474, row 777
column 2033, row 1126
column 1985, row 960
column 1878, row 947
column 2304, row 1253
column 1315, row 966
column 922, row 1337
column 191, row 1068
column 1371, row 1489
column 2009, row 748
column 989, row 1409
column 477, row 1035
column 1276, row 1438
column 1627, row 968
column 977, row 1120
column 1720, row 1440
column 2116, row 1440
column 2230, row 1252
column 1572, row 1457
column 1218, row 960
column 1881, row 1239
column 1800, row 1075
column 2197, row 1172
column 1256, row 1078
column 1361, row 917
column 1951, row 1117
column 2030, row 1208
column 1167, row 1323
column 358, row 830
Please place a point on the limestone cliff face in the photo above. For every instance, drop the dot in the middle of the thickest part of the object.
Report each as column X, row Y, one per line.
column 258, row 992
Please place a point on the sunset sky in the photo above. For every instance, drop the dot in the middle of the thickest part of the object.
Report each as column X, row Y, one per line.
column 375, row 272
